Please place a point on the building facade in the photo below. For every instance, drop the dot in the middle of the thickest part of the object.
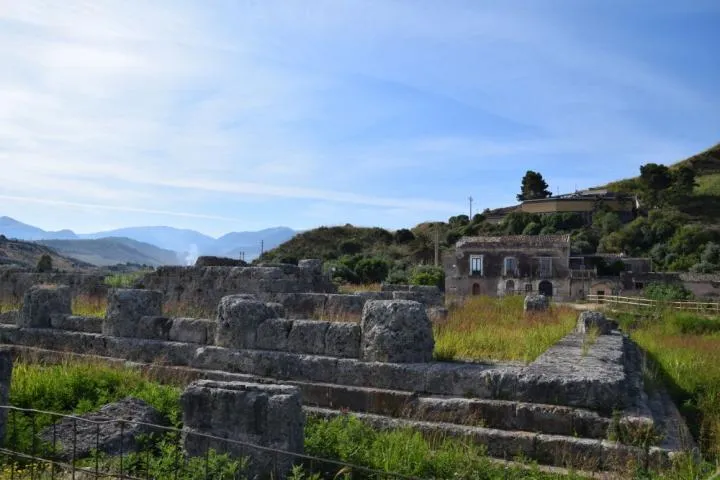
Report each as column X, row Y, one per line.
column 506, row 265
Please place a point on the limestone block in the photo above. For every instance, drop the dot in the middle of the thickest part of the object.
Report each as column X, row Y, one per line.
column 536, row 303
column 302, row 305
column 277, row 308
column 155, row 328
column 76, row 323
column 273, row 334
column 191, row 330
column 590, row 320
column 10, row 317
column 313, row 264
column 308, row 336
column 126, row 307
column 343, row 340
column 396, row 331
column 266, row 415
column 238, row 321
column 40, row 302
column 339, row 305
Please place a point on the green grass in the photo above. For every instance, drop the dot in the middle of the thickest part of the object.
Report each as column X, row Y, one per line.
column 486, row 328
column 407, row 452
column 80, row 387
column 686, row 350
column 708, row 185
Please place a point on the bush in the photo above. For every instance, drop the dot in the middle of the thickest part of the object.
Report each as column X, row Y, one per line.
column 667, row 292
column 403, row 236
column 428, row 275
column 372, row 270
column 341, row 273
column 688, row 323
column 397, row 277
column 45, row 264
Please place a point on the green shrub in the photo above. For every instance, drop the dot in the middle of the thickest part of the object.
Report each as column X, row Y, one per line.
column 428, row 275
column 667, row 292
column 45, row 264
column 372, row 270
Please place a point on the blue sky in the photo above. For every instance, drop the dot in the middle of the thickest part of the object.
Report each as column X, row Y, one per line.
column 238, row 115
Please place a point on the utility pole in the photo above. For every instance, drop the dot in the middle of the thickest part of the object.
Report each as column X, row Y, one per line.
column 437, row 245
column 470, row 199
column 262, row 247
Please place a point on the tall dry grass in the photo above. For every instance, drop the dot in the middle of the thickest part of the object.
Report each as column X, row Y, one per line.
column 365, row 287
column 686, row 349
column 486, row 328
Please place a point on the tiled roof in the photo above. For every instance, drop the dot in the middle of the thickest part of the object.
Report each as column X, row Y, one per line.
column 517, row 240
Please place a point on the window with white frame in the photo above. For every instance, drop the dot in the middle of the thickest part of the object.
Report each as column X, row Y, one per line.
column 476, row 265
column 545, row 266
column 510, row 266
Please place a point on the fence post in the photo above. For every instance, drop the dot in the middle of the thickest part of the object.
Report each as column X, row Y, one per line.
column 6, row 366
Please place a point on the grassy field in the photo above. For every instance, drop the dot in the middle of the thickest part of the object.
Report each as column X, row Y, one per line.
column 498, row 329
column 685, row 349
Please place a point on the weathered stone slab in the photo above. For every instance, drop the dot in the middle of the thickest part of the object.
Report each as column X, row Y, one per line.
column 597, row 321
column 307, row 336
column 76, row 323
column 273, row 334
column 343, row 340
column 155, row 328
column 238, row 321
column 266, row 415
column 396, row 331
column 10, row 317
column 536, row 303
column 126, row 307
column 301, row 305
column 192, row 330
column 40, row 302
column 80, row 438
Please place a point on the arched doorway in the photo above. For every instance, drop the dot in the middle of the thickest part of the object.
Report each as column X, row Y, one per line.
column 545, row 288
column 510, row 287
column 476, row 289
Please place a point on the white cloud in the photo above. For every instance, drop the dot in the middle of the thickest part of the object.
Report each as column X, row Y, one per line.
column 129, row 104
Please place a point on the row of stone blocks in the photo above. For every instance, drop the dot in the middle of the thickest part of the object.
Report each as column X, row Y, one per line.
column 390, row 331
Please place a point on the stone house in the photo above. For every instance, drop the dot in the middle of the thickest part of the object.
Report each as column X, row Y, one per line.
column 514, row 264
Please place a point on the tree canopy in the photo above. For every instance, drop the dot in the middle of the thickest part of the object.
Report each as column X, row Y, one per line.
column 533, row 187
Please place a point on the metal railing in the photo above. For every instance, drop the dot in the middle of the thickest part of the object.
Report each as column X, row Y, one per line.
column 617, row 300
column 48, row 445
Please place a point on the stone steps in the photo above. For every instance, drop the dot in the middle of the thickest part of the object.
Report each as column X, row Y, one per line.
column 495, row 414
column 555, row 450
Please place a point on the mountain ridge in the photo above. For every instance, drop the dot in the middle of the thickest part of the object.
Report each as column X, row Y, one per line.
column 183, row 245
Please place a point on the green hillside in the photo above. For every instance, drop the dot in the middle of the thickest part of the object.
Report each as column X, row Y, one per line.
column 678, row 227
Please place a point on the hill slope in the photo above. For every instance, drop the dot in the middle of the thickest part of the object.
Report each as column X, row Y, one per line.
column 27, row 254
column 111, row 251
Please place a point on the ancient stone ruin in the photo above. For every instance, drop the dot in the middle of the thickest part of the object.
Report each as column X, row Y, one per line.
column 563, row 409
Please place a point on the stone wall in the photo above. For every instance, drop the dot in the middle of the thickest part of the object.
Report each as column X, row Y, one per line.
column 203, row 287
column 15, row 282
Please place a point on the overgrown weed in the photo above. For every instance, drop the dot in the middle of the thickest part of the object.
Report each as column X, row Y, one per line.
column 497, row 329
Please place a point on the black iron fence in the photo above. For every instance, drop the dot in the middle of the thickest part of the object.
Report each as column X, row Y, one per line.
column 47, row 445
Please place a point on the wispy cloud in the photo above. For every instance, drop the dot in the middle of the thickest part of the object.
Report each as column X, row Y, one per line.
column 275, row 112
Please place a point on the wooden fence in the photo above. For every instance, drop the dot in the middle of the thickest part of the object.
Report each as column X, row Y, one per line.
column 616, row 300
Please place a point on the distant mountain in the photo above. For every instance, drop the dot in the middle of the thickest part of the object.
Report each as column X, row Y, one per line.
column 113, row 250
column 11, row 228
column 178, row 240
column 171, row 245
